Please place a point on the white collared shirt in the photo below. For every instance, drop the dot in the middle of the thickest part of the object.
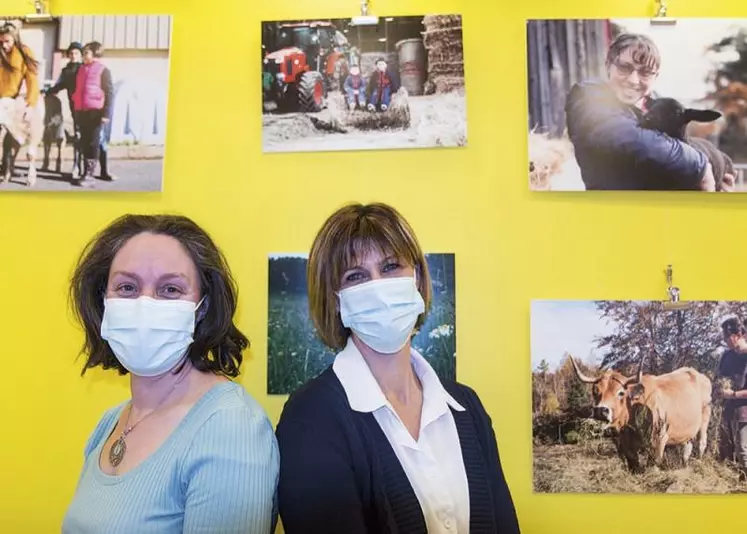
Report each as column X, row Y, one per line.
column 433, row 464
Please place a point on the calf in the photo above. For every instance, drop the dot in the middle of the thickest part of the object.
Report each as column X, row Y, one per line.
column 670, row 117
column 23, row 130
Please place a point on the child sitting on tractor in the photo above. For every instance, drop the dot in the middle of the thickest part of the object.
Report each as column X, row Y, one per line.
column 355, row 88
column 381, row 86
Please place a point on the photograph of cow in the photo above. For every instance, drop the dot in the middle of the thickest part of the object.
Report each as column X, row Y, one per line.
column 295, row 353
column 83, row 102
column 626, row 104
column 351, row 84
column 639, row 397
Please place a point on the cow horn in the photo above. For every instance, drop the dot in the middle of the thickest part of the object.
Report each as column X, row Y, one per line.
column 639, row 374
column 581, row 376
column 640, row 367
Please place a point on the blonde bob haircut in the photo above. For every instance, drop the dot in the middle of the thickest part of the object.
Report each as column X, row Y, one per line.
column 344, row 239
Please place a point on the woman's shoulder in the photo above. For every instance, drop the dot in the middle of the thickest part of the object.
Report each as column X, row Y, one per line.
column 228, row 404
column 322, row 395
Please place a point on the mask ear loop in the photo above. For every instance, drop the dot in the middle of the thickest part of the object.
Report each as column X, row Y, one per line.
column 200, row 312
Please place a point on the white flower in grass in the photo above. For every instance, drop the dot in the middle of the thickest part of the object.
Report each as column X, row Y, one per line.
column 445, row 330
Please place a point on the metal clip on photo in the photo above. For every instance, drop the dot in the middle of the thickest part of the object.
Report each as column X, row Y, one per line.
column 674, row 303
column 364, row 19
column 660, row 17
column 41, row 11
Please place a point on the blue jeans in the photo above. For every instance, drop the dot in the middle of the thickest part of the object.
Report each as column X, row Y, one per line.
column 386, row 96
column 360, row 100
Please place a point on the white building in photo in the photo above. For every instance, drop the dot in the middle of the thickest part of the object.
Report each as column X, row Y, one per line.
column 136, row 50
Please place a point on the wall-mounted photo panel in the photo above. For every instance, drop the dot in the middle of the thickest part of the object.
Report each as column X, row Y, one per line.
column 296, row 355
column 637, row 397
column 627, row 104
column 347, row 84
column 83, row 101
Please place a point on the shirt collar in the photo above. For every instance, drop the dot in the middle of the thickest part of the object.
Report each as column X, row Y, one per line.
column 365, row 395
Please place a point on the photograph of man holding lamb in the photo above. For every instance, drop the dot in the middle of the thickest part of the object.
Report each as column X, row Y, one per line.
column 632, row 105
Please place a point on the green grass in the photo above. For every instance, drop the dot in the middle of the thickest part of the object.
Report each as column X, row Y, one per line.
column 295, row 354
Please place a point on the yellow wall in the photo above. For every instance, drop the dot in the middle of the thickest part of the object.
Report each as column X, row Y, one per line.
column 511, row 245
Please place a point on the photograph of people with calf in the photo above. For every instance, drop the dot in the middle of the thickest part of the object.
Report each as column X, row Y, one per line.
column 629, row 104
column 363, row 83
column 639, row 396
column 83, row 102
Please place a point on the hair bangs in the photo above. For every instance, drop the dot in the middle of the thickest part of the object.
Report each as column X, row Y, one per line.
column 643, row 53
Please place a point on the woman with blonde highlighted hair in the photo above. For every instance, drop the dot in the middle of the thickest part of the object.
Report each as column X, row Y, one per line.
column 377, row 442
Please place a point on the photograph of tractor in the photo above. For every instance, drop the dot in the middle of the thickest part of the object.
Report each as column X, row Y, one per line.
column 307, row 60
column 363, row 83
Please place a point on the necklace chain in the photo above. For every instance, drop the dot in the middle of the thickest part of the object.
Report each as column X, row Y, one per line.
column 119, row 447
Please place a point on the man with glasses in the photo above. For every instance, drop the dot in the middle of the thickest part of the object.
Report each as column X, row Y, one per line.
column 612, row 150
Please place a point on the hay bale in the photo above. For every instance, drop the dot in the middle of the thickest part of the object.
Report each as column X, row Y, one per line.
column 547, row 157
column 442, row 21
column 448, row 84
column 442, row 120
column 448, row 69
column 443, row 37
column 280, row 128
column 396, row 117
column 443, row 42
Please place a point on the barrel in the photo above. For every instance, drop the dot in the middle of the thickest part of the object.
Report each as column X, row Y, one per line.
column 412, row 65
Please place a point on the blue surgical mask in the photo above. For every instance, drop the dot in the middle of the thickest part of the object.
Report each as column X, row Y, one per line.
column 149, row 337
column 382, row 313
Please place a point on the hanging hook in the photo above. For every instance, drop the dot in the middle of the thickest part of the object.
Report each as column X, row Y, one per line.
column 364, row 19
column 40, row 7
column 674, row 292
column 674, row 302
column 662, row 11
column 660, row 17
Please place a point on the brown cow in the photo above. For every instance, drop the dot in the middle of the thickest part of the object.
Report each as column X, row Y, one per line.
column 651, row 412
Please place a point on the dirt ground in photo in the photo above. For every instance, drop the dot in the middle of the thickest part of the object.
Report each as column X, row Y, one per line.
column 437, row 120
column 594, row 467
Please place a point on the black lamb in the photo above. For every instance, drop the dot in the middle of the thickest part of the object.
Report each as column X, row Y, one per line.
column 670, row 117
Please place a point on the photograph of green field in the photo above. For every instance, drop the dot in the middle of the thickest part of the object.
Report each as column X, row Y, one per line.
column 295, row 354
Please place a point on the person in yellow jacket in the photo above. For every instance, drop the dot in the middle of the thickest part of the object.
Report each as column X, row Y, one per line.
column 17, row 67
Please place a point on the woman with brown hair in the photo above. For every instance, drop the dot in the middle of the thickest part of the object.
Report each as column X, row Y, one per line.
column 377, row 442
column 191, row 450
column 18, row 66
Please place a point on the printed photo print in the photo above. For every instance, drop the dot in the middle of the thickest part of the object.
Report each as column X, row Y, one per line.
column 627, row 104
column 351, row 84
column 83, row 102
column 296, row 355
column 639, row 396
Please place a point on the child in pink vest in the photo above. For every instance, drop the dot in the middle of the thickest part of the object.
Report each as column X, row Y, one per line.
column 92, row 99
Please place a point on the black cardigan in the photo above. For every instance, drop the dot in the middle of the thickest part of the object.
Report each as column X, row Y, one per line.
column 339, row 474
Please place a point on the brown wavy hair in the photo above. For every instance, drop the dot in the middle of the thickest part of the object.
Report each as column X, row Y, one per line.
column 218, row 343
column 8, row 28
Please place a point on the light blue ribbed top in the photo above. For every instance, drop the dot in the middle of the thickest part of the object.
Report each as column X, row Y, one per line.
column 216, row 473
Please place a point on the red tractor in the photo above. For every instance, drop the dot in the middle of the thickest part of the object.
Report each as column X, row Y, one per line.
column 309, row 60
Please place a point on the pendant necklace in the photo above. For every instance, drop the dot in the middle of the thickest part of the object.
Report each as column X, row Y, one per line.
column 119, row 447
